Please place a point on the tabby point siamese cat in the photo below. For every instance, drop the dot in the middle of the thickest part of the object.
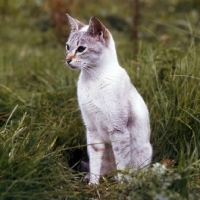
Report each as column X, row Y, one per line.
column 115, row 115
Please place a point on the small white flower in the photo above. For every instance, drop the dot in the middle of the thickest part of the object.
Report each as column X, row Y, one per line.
column 158, row 168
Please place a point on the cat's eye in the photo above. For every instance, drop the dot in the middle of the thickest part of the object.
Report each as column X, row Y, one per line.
column 80, row 49
column 67, row 46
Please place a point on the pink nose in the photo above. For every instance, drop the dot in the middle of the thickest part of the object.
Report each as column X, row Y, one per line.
column 68, row 60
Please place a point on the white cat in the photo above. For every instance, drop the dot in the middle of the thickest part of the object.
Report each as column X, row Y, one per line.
column 114, row 113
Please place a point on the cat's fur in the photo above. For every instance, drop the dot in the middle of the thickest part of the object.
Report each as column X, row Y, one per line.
column 114, row 113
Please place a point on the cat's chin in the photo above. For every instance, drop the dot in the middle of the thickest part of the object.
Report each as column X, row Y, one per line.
column 73, row 67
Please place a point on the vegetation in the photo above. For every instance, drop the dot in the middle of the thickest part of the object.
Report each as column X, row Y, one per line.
column 40, row 123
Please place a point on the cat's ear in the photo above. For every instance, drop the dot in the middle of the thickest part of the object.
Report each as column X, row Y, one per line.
column 75, row 24
column 97, row 28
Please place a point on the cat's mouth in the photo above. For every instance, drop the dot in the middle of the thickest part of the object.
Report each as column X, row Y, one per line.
column 73, row 67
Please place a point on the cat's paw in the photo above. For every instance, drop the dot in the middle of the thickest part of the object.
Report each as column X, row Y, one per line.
column 93, row 183
column 93, row 180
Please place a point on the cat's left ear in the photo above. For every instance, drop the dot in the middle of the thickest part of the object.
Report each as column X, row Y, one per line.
column 75, row 24
column 97, row 28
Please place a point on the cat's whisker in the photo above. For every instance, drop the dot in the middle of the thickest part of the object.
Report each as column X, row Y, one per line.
column 63, row 61
column 92, row 71
column 89, row 71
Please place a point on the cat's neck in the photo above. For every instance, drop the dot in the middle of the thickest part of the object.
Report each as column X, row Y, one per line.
column 105, row 68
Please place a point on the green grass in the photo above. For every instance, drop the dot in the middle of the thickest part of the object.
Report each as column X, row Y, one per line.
column 41, row 125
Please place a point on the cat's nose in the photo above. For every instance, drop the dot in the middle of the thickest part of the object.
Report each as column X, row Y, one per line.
column 68, row 60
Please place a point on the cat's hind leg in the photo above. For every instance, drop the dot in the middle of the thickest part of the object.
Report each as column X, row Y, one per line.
column 141, row 156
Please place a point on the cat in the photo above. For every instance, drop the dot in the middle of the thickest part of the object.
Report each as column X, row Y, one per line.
column 115, row 115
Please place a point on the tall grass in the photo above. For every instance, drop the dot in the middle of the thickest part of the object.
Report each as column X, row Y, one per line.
column 41, row 126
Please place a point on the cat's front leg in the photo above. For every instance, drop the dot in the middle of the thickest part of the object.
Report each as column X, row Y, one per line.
column 120, row 140
column 96, row 150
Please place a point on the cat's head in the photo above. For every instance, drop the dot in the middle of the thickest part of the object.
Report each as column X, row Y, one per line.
column 88, row 45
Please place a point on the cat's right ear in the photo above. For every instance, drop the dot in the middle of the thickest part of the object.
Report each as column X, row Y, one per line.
column 75, row 24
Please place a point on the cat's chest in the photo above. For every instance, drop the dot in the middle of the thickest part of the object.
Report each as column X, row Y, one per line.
column 93, row 95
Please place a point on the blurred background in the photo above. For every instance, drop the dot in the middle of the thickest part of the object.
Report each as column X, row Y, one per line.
column 44, row 22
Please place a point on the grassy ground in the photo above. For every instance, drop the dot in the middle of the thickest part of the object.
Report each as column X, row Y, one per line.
column 40, row 123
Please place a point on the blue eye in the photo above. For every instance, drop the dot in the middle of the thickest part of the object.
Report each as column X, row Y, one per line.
column 80, row 49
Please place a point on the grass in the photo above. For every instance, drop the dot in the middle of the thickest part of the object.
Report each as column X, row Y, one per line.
column 41, row 126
